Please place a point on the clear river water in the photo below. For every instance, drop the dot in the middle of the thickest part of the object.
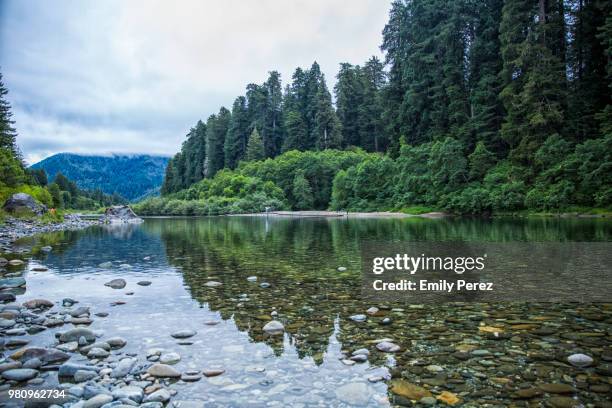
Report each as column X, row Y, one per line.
column 448, row 351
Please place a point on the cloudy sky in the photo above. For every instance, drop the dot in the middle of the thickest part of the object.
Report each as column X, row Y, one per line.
column 110, row 76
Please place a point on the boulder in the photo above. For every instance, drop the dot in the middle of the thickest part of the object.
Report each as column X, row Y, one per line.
column 119, row 214
column 22, row 202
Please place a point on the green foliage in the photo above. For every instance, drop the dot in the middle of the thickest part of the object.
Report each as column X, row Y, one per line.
column 302, row 193
column 11, row 170
column 226, row 193
column 318, row 168
column 479, row 107
column 255, row 148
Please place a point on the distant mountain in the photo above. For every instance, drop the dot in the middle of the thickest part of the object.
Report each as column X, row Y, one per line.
column 132, row 176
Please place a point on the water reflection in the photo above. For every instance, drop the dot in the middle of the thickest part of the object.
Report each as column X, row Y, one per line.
column 298, row 259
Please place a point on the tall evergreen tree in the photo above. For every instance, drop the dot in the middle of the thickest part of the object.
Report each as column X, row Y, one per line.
column 349, row 99
column 327, row 127
column 216, row 129
column 255, row 148
column 8, row 134
column 237, row 134
column 533, row 77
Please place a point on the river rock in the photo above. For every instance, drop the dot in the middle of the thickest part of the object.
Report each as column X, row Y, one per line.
column 557, row 388
column 116, row 342
column 213, row 372
column 79, row 311
column 358, row 318
column 169, row 358
column 372, row 311
column 105, row 265
column 123, row 368
column 37, row 304
column 143, row 283
column 191, row 376
column 84, row 375
column 580, row 360
column 408, row 390
column 69, row 369
column 129, row 392
column 12, row 283
column 184, row 334
column 162, row 395
column 46, row 355
column 274, row 327
column 252, row 279
column 97, row 401
column 46, row 248
column 7, row 297
column 16, row 262
column 76, row 334
column 97, row 352
column 116, row 283
column 120, row 214
column 7, row 323
column 354, row 394
column 163, row 370
column 213, row 284
column 564, row 402
column 19, row 374
column 23, row 202
column 387, row 347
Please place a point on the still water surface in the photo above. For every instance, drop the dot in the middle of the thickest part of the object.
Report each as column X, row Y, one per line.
column 299, row 259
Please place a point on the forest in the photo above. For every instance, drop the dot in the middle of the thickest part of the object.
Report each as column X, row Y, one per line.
column 478, row 107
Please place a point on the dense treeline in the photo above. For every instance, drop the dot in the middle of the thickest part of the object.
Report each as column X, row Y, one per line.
column 479, row 106
column 15, row 177
column 298, row 180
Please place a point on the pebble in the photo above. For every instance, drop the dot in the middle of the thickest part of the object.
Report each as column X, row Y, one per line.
column 129, row 392
column 19, row 374
column 252, row 279
column 123, row 368
column 158, row 396
column 274, row 327
column 143, row 283
column 213, row 284
column 169, row 358
column 116, row 283
column 163, row 370
column 77, row 334
column 358, row 318
column 580, row 360
column 184, row 334
column 84, row 375
column 98, row 401
column 388, row 347
column 212, row 372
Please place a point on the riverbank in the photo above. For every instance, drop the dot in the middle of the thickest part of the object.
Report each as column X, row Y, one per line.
column 340, row 214
column 16, row 228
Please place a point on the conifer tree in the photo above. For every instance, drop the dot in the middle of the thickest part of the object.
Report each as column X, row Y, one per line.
column 237, row 134
column 255, row 148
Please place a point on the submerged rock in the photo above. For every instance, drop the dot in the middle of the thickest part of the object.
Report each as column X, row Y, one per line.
column 76, row 334
column 116, row 283
column 580, row 360
column 274, row 327
column 388, row 347
column 12, row 283
column 184, row 334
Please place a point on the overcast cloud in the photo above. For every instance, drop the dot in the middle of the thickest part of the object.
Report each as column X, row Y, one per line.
column 133, row 76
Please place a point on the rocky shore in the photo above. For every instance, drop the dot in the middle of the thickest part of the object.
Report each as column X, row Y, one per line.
column 17, row 228
column 86, row 367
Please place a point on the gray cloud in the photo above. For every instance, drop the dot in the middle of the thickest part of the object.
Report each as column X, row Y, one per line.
column 133, row 76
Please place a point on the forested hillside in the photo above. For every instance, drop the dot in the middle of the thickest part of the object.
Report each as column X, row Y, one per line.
column 478, row 107
column 130, row 176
